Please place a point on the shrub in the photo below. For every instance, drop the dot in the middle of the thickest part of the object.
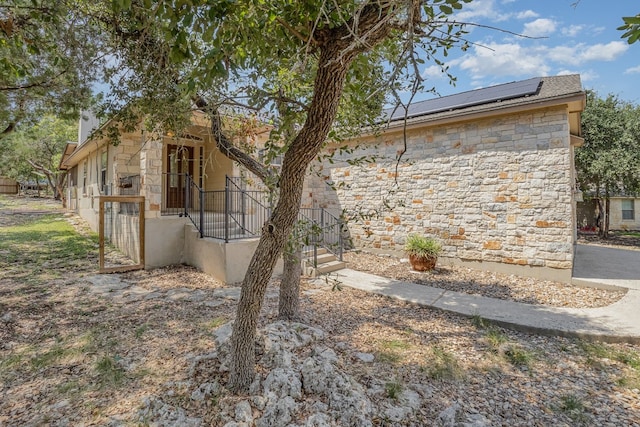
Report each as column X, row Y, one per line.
column 422, row 246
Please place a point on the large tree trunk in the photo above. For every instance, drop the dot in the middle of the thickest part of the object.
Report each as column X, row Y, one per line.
column 289, row 302
column 337, row 49
column 329, row 84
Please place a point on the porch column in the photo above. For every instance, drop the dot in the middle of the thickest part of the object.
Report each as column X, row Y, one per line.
column 151, row 176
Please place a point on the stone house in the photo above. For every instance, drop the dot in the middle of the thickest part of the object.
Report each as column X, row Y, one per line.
column 199, row 207
column 490, row 172
column 624, row 213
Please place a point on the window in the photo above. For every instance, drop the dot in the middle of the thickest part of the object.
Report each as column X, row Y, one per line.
column 627, row 209
column 84, row 177
column 103, row 170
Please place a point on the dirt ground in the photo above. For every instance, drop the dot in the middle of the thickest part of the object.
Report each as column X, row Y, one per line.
column 76, row 351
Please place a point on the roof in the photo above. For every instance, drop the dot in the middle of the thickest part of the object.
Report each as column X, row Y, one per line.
column 68, row 150
column 538, row 91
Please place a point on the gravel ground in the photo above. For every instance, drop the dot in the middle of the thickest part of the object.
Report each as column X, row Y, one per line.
column 70, row 355
column 488, row 284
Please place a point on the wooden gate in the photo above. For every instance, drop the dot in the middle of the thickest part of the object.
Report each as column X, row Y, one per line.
column 121, row 231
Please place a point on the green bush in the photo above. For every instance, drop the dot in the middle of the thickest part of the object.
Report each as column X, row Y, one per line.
column 422, row 246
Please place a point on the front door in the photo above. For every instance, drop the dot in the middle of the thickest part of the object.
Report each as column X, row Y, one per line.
column 179, row 164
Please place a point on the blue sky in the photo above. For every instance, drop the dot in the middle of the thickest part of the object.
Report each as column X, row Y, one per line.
column 577, row 39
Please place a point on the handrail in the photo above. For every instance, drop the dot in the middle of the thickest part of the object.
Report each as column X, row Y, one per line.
column 245, row 196
column 325, row 231
column 244, row 213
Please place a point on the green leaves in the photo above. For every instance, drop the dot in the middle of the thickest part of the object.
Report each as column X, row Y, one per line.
column 631, row 28
column 609, row 160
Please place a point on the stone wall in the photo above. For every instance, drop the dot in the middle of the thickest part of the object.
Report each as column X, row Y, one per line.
column 496, row 190
column 151, row 176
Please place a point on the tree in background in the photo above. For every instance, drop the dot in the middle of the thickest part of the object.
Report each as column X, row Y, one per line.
column 49, row 59
column 608, row 164
column 34, row 153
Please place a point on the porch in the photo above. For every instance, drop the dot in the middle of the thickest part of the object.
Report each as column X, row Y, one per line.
column 221, row 227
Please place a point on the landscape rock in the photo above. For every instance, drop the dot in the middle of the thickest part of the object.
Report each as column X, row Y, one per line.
column 283, row 382
column 7, row 318
column 278, row 414
column 455, row 416
column 365, row 357
column 244, row 413
column 205, row 390
column 157, row 413
column 346, row 398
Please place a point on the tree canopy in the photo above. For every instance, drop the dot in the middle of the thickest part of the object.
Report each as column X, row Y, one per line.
column 608, row 164
column 33, row 153
column 609, row 161
column 50, row 56
column 308, row 68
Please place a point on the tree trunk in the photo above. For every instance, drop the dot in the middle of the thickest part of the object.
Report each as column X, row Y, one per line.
column 607, row 204
column 338, row 47
column 600, row 218
column 328, row 87
column 289, row 302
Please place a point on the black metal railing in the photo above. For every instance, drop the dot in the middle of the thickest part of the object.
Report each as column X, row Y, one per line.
column 323, row 230
column 237, row 213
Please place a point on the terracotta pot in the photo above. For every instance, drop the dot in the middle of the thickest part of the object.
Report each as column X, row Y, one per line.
column 422, row 263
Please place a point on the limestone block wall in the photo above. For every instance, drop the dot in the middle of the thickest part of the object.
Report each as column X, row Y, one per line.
column 126, row 158
column 496, row 190
column 151, row 176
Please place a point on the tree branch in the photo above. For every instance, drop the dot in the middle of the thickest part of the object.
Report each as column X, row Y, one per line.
column 225, row 145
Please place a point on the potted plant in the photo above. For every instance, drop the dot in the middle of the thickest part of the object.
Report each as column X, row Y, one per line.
column 423, row 252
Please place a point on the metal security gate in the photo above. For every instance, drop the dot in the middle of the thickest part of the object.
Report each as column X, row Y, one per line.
column 121, row 228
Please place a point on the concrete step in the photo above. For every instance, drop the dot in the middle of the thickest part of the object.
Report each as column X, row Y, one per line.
column 330, row 267
column 326, row 263
column 324, row 258
column 309, row 253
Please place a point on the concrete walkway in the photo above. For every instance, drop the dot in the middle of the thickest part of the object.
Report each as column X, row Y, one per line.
column 618, row 322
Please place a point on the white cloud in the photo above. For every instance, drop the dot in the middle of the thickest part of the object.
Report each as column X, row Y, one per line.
column 539, row 28
column 527, row 14
column 604, row 52
column 581, row 53
column 633, row 70
column 480, row 9
column 433, row 72
column 507, row 59
column 585, row 76
column 572, row 30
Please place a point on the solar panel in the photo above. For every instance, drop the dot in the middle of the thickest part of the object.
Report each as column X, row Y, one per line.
column 468, row 99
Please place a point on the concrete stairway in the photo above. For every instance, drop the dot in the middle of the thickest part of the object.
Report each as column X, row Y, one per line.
column 327, row 263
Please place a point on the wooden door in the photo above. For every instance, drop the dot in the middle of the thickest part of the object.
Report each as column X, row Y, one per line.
column 179, row 164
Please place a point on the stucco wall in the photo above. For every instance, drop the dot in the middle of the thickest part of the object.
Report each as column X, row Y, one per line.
column 227, row 262
column 124, row 232
column 615, row 211
column 495, row 191
column 164, row 241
